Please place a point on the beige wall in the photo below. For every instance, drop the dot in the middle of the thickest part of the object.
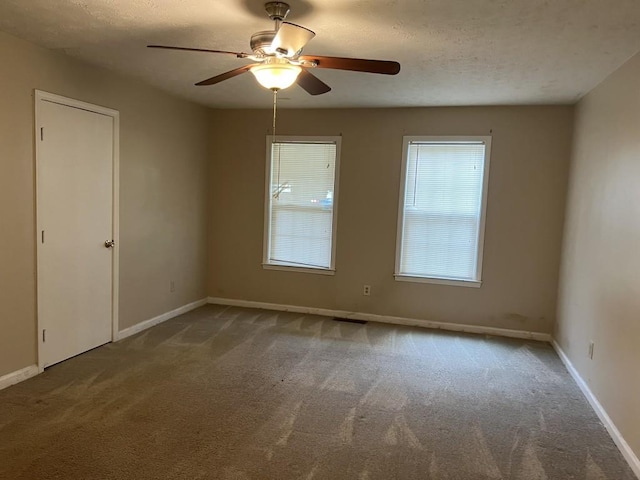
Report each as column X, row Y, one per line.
column 600, row 281
column 163, row 185
column 529, row 169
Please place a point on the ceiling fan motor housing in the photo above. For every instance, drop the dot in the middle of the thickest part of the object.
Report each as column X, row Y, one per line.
column 261, row 42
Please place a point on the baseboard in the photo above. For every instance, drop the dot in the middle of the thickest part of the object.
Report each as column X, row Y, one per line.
column 371, row 317
column 617, row 437
column 18, row 376
column 139, row 327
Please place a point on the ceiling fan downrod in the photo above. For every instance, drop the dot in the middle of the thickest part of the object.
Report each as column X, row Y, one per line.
column 277, row 12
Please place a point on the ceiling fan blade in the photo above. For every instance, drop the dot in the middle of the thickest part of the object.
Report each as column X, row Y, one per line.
column 226, row 75
column 291, row 38
column 312, row 84
column 236, row 54
column 384, row 67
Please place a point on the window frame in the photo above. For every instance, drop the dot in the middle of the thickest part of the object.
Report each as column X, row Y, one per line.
column 266, row 241
column 406, row 142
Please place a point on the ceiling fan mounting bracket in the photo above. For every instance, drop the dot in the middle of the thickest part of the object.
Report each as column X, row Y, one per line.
column 277, row 11
column 304, row 63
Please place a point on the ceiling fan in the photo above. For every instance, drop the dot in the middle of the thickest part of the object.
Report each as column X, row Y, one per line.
column 279, row 60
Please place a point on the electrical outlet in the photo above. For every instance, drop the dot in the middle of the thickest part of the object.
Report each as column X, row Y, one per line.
column 591, row 344
column 172, row 286
column 366, row 291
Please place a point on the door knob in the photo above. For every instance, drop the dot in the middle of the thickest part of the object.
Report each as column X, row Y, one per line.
column 109, row 243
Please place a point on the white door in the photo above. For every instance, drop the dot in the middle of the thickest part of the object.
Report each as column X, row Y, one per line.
column 75, row 218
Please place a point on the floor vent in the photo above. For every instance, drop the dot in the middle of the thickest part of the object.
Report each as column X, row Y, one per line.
column 350, row 320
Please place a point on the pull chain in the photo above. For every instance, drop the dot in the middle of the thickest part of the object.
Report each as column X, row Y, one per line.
column 275, row 97
column 276, row 194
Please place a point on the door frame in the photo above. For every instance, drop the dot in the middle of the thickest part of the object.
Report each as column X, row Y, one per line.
column 39, row 97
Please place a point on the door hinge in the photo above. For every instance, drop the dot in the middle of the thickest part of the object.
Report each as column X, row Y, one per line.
column 41, row 133
column 44, row 335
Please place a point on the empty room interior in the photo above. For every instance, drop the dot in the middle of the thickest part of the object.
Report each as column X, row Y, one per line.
column 320, row 239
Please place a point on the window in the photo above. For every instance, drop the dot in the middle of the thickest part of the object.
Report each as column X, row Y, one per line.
column 442, row 208
column 301, row 202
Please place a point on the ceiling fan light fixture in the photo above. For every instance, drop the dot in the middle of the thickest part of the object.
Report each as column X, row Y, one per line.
column 276, row 74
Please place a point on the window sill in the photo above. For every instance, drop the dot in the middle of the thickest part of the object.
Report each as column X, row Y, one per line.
column 438, row 281
column 290, row 268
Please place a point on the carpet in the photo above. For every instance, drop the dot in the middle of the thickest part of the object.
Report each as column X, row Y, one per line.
column 237, row 393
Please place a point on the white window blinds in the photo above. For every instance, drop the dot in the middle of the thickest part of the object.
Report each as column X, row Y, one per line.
column 301, row 203
column 442, row 214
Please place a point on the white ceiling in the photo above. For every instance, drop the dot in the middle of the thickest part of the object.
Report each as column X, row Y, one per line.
column 452, row 52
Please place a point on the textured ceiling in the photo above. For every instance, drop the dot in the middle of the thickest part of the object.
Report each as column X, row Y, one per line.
column 452, row 52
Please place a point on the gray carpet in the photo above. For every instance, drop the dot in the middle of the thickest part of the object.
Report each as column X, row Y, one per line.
column 231, row 393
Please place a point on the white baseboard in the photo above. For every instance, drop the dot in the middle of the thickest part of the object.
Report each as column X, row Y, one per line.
column 139, row 327
column 617, row 437
column 18, row 376
column 371, row 317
